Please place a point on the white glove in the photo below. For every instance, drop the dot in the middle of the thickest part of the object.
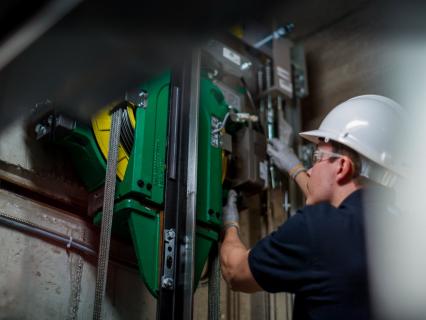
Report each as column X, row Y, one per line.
column 230, row 212
column 285, row 131
column 282, row 156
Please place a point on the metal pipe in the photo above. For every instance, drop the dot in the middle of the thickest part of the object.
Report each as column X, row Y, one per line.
column 280, row 32
column 270, row 117
column 260, row 84
column 269, row 108
column 68, row 241
column 268, row 74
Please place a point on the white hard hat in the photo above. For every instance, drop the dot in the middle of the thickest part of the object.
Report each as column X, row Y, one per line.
column 367, row 124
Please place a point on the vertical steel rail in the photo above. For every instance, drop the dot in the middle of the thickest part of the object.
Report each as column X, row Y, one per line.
column 177, row 272
column 189, row 243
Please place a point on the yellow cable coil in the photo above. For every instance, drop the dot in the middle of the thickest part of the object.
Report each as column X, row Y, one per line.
column 101, row 124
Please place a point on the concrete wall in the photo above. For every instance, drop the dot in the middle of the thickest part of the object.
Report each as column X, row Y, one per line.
column 345, row 59
column 43, row 280
column 40, row 279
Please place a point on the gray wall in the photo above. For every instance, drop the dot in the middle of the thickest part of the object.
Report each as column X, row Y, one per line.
column 346, row 59
column 42, row 280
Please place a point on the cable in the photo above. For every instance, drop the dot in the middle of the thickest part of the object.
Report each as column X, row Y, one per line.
column 214, row 285
column 225, row 119
column 107, row 214
column 25, row 226
column 127, row 135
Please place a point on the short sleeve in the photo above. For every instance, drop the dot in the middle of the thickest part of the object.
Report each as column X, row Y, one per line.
column 281, row 261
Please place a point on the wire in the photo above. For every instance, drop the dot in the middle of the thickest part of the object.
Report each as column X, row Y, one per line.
column 225, row 119
column 66, row 240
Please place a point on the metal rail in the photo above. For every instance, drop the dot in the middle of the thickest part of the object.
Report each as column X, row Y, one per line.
column 177, row 270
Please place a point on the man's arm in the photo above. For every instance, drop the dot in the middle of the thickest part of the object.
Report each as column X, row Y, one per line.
column 302, row 181
column 233, row 253
column 234, row 263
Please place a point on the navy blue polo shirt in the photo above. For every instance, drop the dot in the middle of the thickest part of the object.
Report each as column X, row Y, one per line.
column 319, row 254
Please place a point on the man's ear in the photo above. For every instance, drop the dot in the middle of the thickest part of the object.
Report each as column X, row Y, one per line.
column 345, row 170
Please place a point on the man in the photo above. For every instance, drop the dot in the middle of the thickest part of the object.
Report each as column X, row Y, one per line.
column 320, row 253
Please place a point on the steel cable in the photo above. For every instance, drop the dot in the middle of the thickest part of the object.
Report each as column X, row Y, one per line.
column 214, row 285
column 107, row 214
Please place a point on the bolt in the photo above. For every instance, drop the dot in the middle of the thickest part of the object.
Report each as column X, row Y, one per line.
column 149, row 186
column 141, row 183
column 143, row 96
column 170, row 234
column 167, row 283
column 40, row 129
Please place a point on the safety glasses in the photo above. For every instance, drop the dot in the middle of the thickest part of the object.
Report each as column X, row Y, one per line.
column 320, row 155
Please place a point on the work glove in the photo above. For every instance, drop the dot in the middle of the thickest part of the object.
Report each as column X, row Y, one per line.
column 285, row 131
column 230, row 215
column 281, row 155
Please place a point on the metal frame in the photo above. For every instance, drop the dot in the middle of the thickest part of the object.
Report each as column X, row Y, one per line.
column 177, row 281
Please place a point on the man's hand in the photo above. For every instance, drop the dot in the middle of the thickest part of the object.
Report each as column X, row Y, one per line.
column 285, row 131
column 230, row 215
column 233, row 253
column 282, row 156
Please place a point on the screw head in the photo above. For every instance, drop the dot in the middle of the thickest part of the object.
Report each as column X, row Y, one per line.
column 170, row 234
column 40, row 129
column 167, row 283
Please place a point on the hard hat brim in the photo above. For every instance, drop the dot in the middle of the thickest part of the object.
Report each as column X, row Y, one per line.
column 314, row 136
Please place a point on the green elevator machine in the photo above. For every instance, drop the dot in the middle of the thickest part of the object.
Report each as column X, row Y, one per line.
column 141, row 168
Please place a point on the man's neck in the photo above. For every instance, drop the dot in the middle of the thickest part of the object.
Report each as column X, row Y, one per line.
column 343, row 192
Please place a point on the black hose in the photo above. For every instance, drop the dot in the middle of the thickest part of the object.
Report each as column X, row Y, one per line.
column 66, row 240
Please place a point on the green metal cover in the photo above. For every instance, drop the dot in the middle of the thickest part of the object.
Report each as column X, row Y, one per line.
column 85, row 155
column 144, row 176
column 209, row 180
column 144, row 225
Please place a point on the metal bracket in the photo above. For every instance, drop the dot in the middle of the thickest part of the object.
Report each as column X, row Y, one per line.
column 52, row 125
column 138, row 97
column 167, row 279
column 280, row 32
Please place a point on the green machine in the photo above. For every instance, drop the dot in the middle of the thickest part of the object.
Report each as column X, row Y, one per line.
column 139, row 197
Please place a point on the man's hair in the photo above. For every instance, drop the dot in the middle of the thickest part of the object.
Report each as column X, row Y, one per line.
column 351, row 154
column 355, row 158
